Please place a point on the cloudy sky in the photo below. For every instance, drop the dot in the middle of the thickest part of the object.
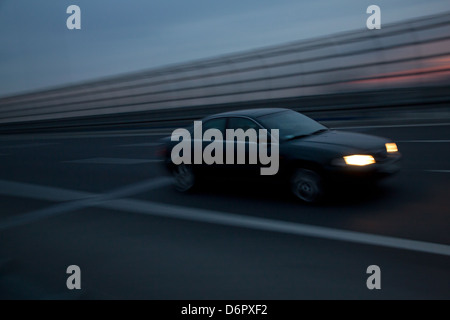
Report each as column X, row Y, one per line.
column 37, row 51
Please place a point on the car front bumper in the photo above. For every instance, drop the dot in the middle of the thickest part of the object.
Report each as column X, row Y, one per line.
column 380, row 169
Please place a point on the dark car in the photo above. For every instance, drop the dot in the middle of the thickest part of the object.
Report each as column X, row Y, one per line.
column 311, row 156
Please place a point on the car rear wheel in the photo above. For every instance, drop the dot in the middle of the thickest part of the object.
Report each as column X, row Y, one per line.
column 307, row 185
column 184, row 177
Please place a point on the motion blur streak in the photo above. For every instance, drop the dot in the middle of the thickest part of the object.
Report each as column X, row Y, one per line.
column 125, row 220
column 276, row 226
column 208, row 216
column 411, row 54
column 99, row 199
column 86, row 201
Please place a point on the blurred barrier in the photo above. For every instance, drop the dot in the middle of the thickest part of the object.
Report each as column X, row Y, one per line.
column 401, row 64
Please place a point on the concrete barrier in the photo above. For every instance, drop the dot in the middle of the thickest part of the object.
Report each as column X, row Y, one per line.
column 402, row 64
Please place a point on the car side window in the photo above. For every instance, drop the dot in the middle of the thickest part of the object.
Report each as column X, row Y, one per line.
column 218, row 123
column 242, row 123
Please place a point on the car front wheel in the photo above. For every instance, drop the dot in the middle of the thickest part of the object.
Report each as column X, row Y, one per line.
column 184, row 177
column 307, row 185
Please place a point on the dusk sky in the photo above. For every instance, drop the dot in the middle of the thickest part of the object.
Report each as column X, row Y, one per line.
column 38, row 51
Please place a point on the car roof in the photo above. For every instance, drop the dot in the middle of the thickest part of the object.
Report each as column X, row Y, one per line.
column 252, row 113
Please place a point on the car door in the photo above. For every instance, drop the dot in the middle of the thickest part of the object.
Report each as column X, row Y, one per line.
column 244, row 150
column 219, row 124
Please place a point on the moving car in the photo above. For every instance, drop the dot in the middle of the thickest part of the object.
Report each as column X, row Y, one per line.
column 311, row 156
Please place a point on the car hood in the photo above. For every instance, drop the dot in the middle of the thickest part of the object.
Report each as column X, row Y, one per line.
column 347, row 139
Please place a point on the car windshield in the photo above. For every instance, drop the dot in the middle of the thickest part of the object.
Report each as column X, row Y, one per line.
column 291, row 124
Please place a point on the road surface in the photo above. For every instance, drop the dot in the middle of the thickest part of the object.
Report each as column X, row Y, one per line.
column 102, row 201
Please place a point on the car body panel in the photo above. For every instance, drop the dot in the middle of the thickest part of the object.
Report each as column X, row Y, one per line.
column 316, row 152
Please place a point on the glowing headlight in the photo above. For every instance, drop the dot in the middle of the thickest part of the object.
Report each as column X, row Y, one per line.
column 359, row 160
column 391, row 147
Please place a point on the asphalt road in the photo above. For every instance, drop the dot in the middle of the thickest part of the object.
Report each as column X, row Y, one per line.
column 103, row 202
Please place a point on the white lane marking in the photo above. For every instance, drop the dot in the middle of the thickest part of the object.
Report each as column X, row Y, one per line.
column 230, row 219
column 167, row 132
column 114, row 161
column 425, row 141
column 28, row 145
column 115, row 201
column 103, row 135
column 144, row 144
column 441, row 171
column 397, row 125
column 20, row 137
column 90, row 200
column 32, row 191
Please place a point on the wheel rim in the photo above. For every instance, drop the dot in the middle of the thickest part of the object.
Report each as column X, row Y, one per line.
column 184, row 177
column 306, row 191
column 306, row 186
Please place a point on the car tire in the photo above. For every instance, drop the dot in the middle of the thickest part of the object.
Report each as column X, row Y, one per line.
column 184, row 177
column 307, row 185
